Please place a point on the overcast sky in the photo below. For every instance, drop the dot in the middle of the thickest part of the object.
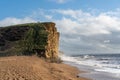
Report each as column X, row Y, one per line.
column 85, row 26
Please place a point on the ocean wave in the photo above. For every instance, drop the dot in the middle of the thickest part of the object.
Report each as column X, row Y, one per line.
column 102, row 63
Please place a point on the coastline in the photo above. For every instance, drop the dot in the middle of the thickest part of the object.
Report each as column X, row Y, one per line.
column 90, row 72
column 34, row 68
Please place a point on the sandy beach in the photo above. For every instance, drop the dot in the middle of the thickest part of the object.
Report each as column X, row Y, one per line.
column 34, row 68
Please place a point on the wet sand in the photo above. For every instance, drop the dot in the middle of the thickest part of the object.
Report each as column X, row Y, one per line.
column 34, row 68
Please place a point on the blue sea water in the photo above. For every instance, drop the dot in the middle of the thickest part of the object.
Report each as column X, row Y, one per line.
column 100, row 66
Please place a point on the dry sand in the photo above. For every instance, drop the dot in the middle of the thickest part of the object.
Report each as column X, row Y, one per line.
column 34, row 68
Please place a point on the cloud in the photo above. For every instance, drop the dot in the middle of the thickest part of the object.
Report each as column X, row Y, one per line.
column 84, row 23
column 84, row 32
column 106, row 41
column 60, row 1
column 80, row 31
column 12, row 21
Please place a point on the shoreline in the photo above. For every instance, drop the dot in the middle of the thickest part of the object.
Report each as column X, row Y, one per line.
column 90, row 74
column 94, row 67
column 34, row 68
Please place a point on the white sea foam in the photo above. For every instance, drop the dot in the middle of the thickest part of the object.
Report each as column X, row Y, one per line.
column 102, row 64
column 111, row 70
column 68, row 58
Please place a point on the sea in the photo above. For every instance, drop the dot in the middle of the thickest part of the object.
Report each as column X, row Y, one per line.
column 96, row 66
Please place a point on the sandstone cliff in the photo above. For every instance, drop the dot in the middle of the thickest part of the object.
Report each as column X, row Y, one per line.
column 10, row 35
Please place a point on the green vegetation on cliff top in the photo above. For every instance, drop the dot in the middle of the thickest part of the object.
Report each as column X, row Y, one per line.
column 33, row 39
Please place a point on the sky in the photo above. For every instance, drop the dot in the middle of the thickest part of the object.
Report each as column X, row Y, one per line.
column 85, row 26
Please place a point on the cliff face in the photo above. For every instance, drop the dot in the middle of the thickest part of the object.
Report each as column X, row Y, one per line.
column 53, row 40
column 11, row 34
